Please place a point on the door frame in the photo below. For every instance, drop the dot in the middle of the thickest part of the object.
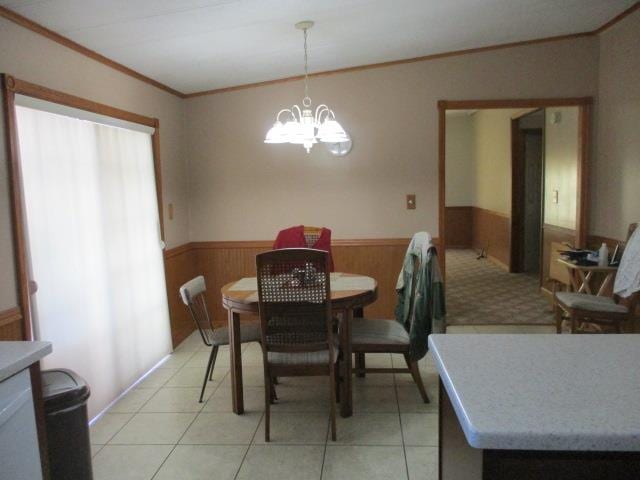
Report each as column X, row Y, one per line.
column 518, row 190
column 584, row 139
column 11, row 87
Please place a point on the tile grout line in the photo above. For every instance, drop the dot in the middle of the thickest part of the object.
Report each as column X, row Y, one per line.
column 142, row 406
column 139, row 411
column 244, row 457
column 404, row 450
column 165, row 383
column 175, row 445
column 324, row 452
column 133, row 414
column 192, row 422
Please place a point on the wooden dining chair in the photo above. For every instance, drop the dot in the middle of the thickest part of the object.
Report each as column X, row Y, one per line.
column 193, row 296
column 558, row 275
column 588, row 313
column 387, row 336
column 296, row 324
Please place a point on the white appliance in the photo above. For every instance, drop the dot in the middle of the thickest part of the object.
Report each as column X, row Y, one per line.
column 19, row 451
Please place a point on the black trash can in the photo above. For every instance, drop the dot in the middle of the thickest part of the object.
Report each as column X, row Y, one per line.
column 65, row 404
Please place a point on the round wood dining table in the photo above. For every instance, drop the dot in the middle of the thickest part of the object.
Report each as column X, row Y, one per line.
column 349, row 292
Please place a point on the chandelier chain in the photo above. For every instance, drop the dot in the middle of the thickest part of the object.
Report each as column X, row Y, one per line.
column 306, row 72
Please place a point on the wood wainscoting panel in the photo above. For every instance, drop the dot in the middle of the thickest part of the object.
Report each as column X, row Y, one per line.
column 382, row 262
column 11, row 324
column 225, row 261
column 179, row 264
column 492, row 231
column 459, row 227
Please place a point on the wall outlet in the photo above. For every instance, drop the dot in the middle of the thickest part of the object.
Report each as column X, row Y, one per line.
column 411, row 201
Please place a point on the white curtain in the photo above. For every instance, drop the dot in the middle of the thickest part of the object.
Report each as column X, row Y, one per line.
column 94, row 248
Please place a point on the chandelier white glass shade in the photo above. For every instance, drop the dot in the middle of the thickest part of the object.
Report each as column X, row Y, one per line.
column 303, row 126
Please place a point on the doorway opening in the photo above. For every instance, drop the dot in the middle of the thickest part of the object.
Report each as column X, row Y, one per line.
column 527, row 192
column 512, row 181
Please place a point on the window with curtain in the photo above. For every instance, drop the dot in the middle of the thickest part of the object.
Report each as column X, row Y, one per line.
column 94, row 245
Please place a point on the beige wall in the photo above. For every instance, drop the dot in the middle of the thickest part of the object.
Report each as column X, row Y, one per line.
column 241, row 188
column 493, row 159
column 561, row 167
column 460, row 161
column 478, row 160
column 29, row 56
column 615, row 180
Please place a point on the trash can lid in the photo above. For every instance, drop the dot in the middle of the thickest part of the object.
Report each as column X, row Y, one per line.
column 62, row 389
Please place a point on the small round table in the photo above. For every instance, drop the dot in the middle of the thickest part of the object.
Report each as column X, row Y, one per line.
column 349, row 292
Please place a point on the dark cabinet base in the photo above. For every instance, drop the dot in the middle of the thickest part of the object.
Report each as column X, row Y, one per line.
column 459, row 461
column 546, row 465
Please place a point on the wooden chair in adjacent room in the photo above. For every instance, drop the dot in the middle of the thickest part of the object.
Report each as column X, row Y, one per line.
column 593, row 313
column 193, row 296
column 296, row 324
column 558, row 276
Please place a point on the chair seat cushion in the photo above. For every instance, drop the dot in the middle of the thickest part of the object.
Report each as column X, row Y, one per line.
column 592, row 303
column 249, row 332
column 378, row 332
column 320, row 357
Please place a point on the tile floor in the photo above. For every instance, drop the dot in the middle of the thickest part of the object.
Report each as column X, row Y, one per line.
column 159, row 430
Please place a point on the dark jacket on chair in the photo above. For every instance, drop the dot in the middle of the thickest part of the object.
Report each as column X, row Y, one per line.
column 427, row 314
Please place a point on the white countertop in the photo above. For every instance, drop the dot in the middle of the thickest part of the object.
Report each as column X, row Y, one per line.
column 543, row 392
column 16, row 356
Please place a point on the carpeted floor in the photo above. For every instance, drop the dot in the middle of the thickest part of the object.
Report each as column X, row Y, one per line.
column 481, row 293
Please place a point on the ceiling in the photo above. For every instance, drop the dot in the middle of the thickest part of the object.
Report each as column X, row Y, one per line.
column 195, row 45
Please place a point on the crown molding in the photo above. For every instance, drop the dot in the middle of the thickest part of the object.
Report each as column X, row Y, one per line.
column 67, row 42
column 434, row 56
column 617, row 18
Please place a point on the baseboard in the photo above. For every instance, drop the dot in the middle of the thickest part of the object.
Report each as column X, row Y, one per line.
column 11, row 322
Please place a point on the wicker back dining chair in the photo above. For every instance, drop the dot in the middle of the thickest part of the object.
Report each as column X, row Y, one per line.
column 296, row 324
column 193, row 296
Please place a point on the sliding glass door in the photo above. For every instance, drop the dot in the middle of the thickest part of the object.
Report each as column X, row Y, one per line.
column 94, row 246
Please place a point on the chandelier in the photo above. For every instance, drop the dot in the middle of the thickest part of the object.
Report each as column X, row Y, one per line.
column 302, row 126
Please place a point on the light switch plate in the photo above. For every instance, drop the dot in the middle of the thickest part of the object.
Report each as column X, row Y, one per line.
column 171, row 211
column 555, row 196
column 411, row 201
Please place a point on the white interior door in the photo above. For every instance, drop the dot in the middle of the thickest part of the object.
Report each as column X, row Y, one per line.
column 94, row 248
